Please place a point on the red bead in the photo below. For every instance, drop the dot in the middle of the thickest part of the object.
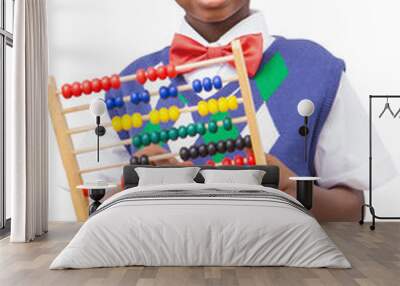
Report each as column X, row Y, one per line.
column 85, row 193
column 66, row 90
column 251, row 161
column 227, row 162
column 141, row 76
column 96, row 85
column 239, row 160
column 162, row 72
column 87, row 87
column 151, row 73
column 171, row 71
column 76, row 89
column 115, row 81
column 106, row 83
column 211, row 163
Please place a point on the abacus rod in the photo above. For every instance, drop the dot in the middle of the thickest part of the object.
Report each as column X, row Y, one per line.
column 127, row 98
column 236, row 120
column 146, row 117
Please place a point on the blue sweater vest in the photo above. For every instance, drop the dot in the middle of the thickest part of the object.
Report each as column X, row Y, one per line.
column 291, row 70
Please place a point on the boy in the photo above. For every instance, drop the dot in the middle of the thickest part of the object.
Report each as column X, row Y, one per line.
column 287, row 72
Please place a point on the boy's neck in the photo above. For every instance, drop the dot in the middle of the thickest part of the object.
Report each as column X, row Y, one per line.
column 213, row 31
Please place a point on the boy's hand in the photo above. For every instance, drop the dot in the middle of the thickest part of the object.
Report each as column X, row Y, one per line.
column 285, row 173
column 153, row 150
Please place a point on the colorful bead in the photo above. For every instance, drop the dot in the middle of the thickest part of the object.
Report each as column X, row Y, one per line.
column 174, row 113
column 151, row 74
column 126, row 122
column 207, row 84
column 201, row 128
column 66, row 90
column 115, row 81
column 247, row 141
column 137, row 120
column 227, row 123
column 221, row 147
column 118, row 101
column 212, row 106
column 155, row 137
column 116, row 123
column 87, row 87
column 182, row 131
column 232, row 103
column 110, row 103
column 223, row 104
column 137, row 141
column 212, row 148
column 162, row 72
column 203, row 151
column 173, row 134
column 145, row 96
column 106, row 83
column 227, row 162
column 230, row 145
column 164, row 136
column 134, row 160
column 212, row 126
column 184, row 154
column 164, row 93
column 202, row 108
column 141, row 76
column 146, row 139
column 197, row 86
column 211, row 163
column 171, row 71
column 217, row 82
column 173, row 91
column 240, row 144
column 76, row 89
column 239, row 160
column 194, row 152
column 96, row 85
column 154, row 117
column 251, row 160
column 135, row 98
column 192, row 130
column 164, row 115
column 144, row 160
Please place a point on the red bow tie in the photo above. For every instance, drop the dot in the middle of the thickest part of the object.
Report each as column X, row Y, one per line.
column 186, row 50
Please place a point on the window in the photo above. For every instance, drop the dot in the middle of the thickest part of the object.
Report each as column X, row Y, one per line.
column 6, row 44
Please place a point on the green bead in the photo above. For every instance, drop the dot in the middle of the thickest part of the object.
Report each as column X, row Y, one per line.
column 146, row 139
column 182, row 132
column 164, row 136
column 137, row 141
column 155, row 137
column 191, row 130
column 227, row 123
column 173, row 134
column 201, row 128
column 212, row 126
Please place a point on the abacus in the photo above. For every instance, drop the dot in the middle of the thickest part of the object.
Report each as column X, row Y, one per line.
column 126, row 122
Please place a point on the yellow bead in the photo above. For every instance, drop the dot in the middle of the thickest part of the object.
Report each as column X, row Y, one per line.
column 174, row 113
column 164, row 115
column 202, row 108
column 232, row 103
column 116, row 123
column 154, row 117
column 223, row 104
column 212, row 106
column 137, row 120
column 126, row 122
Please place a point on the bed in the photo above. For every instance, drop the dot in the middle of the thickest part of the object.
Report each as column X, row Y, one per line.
column 198, row 224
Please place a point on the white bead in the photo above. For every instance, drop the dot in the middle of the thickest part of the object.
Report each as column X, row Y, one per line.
column 98, row 107
column 306, row 108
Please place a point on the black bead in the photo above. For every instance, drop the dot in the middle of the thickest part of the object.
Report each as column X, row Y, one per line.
column 134, row 160
column 144, row 160
column 100, row 130
column 230, row 145
column 184, row 154
column 221, row 147
column 303, row 131
column 240, row 143
column 247, row 141
column 194, row 152
column 203, row 151
column 212, row 148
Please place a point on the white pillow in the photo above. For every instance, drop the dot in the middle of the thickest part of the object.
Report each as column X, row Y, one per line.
column 242, row 177
column 166, row 176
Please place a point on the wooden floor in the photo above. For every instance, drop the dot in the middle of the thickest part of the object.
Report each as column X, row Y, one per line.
column 375, row 257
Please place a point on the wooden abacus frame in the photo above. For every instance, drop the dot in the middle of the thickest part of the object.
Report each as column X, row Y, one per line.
column 64, row 134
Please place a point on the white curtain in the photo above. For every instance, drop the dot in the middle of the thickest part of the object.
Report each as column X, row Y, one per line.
column 27, row 123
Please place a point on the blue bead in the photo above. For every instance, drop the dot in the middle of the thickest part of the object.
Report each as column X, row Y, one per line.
column 118, row 101
column 164, row 92
column 197, row 86
column 217, row 82
column 207, row 84
column 135, row 98
column 110, row 103
column 173, row 91
column 145, row 96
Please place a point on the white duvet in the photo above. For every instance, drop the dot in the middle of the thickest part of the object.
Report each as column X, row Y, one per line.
column 200, row 231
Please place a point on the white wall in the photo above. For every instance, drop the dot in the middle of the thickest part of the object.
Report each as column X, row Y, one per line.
column 91, row 38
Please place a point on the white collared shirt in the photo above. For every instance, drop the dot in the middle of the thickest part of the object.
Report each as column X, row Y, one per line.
column 342, row 149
